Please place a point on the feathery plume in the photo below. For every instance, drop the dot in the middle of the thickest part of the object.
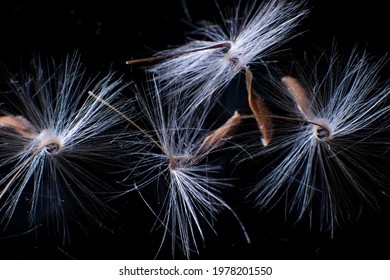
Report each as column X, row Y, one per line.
column 330, row 157
column 50, row 132
column 172, row 149
column 206, row 66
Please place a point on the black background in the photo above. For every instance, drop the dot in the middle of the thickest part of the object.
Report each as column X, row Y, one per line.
column 106, row 33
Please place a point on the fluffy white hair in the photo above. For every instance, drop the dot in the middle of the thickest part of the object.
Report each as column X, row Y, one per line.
column 170, row 150
column 248, row 36
column 329, row 157
column 50, row 132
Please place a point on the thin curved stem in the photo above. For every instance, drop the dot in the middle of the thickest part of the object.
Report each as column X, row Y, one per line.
column 143, row 131
column 226, row 45
column 253, row 116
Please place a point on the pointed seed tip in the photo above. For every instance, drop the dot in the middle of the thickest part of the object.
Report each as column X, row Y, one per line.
column 265, row 142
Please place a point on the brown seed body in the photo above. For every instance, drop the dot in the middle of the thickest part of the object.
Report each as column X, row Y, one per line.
column 220, row 135
column 19, row 124
column 299, row 94
column 260, row 110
